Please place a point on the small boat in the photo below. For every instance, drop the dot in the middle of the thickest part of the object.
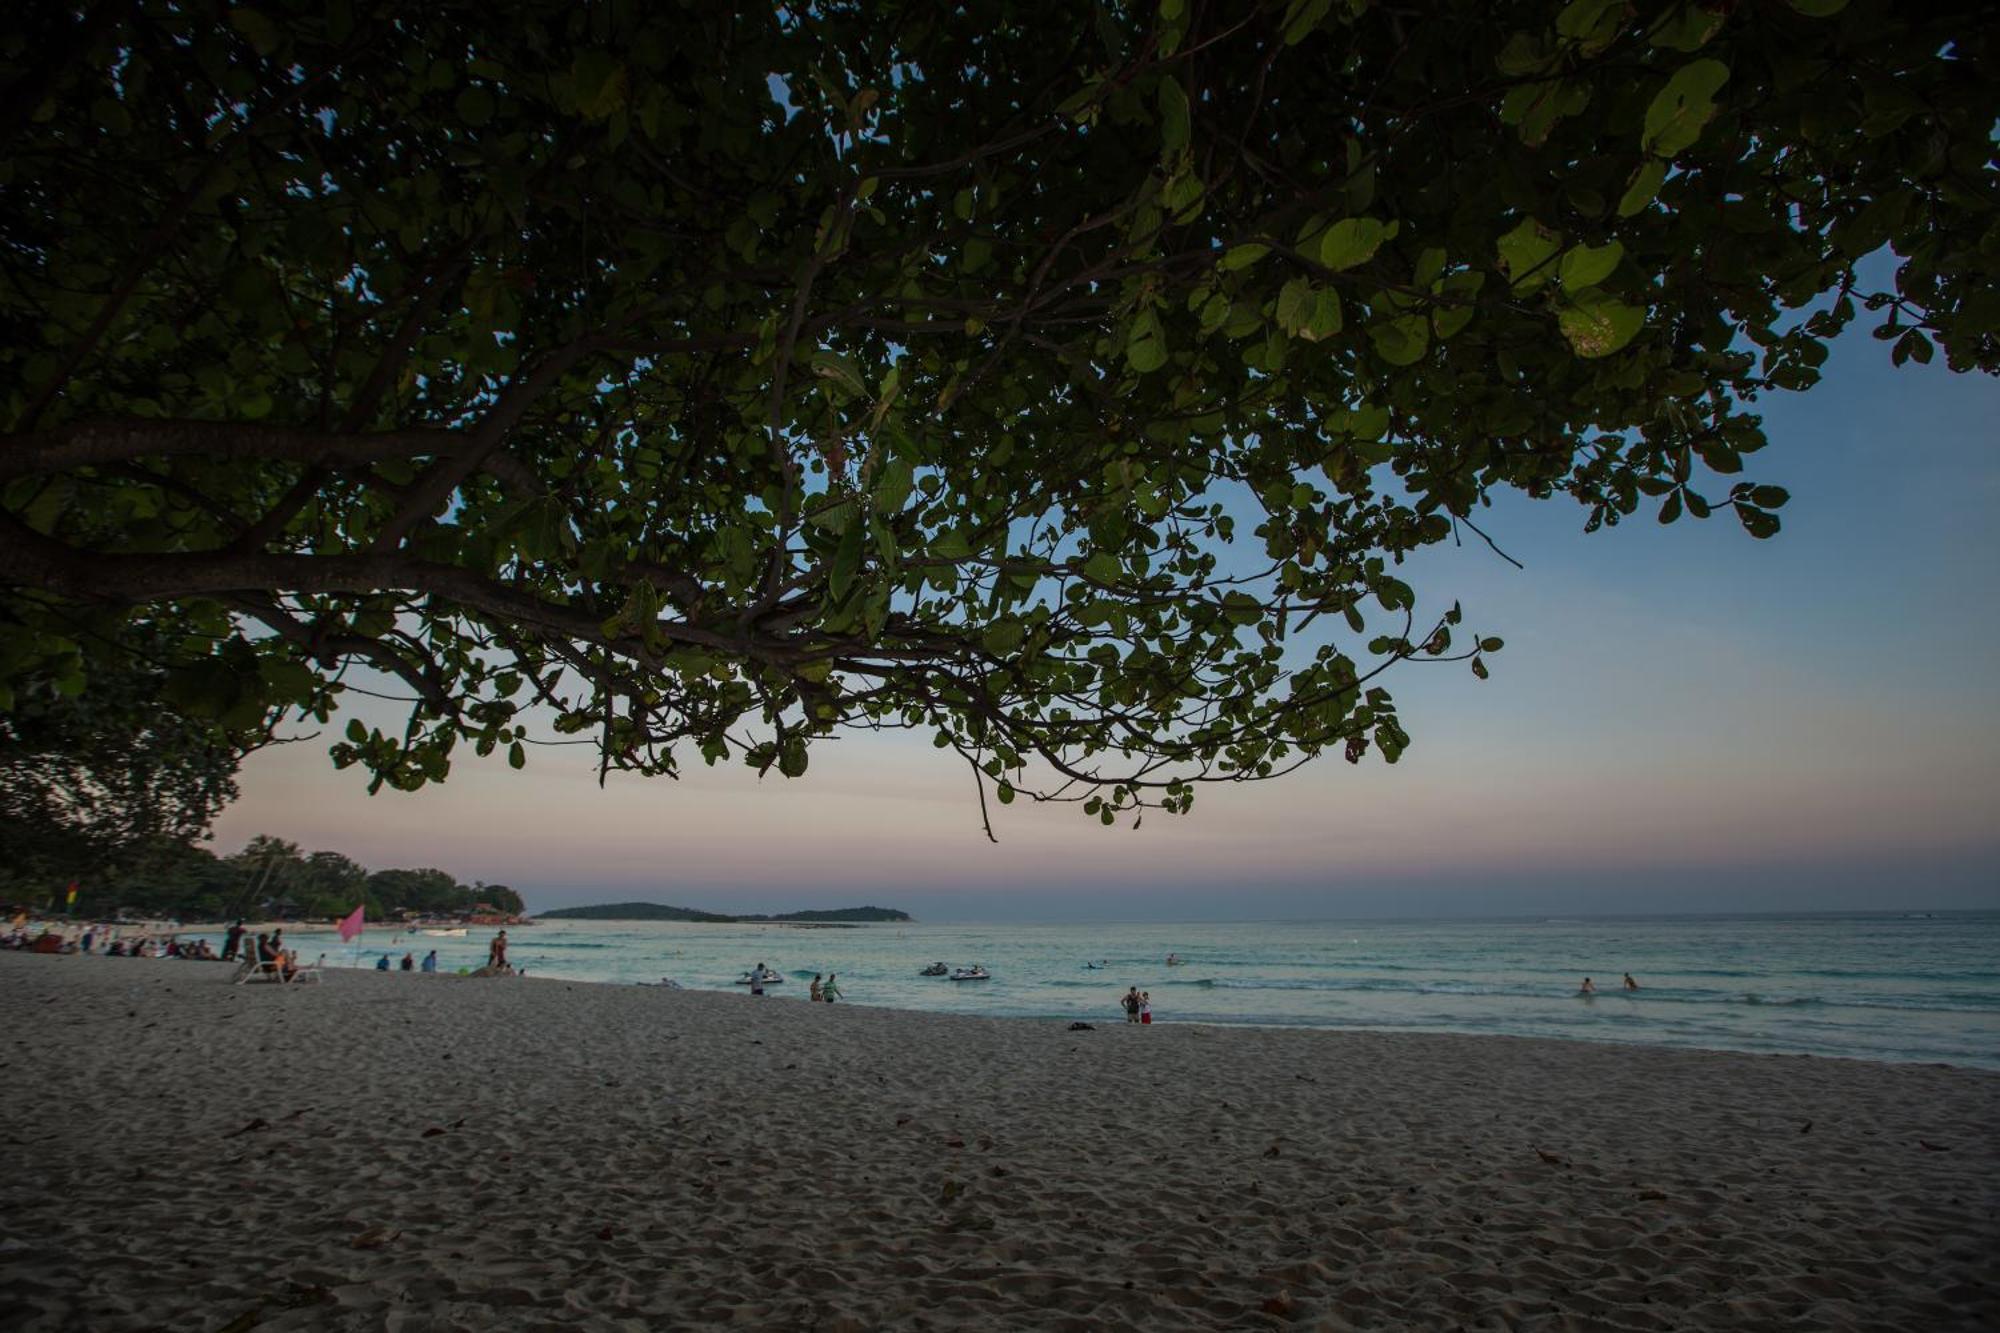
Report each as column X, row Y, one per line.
column 442, row 930
column 935, row 970
column 973, row 973
column 761, row 976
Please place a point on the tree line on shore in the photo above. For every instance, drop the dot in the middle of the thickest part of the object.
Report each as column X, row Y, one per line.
column 269, row 877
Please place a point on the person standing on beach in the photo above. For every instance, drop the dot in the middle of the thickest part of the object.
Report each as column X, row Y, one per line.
column 232, row 942
column 829, row 992
column 496, row 952
column 813, row 992
column 1146, row 1007
column 431, row 961
column 409, row 963
column 1130, row 1004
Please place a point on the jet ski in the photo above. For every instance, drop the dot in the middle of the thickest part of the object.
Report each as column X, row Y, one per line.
column 973, row 973
column 935, row 970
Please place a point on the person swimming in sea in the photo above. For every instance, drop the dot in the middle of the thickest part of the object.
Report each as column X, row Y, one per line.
column 1629, row 983
column 1588, row 987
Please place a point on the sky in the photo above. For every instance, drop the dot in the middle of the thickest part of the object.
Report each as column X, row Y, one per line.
column 1683, row 720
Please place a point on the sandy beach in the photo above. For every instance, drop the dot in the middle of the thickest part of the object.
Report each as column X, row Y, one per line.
column 414, row 1152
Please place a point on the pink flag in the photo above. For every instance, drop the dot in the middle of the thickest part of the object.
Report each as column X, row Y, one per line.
column 350, row 925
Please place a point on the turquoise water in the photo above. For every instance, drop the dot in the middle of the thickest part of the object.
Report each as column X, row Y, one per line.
column 1875, row 987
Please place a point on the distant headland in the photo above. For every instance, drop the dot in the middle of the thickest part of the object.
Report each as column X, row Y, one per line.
column 661, row 912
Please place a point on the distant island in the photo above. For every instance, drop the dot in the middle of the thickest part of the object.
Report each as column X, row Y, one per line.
column 661, row 912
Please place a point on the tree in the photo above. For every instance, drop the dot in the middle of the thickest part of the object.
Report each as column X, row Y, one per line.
column 112, row 780
column 1065, row 382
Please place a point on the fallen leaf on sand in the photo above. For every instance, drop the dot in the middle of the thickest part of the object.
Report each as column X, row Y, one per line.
column 434, row 1131
column 1279, row 1305
column 374, row 1238
column 954, row 1143
column 607, row 1232
column 1806, row 1128
column 1551, row 1158
column 259, row 1123
column 1928, row 1146
column 1271, row 1151
column 902, row 1120
column 244, row 1322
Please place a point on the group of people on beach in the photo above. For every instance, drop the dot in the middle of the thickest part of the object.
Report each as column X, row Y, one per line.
column 828, row 990
column 1138, row 1005
column 1589, row 987
column 63, row 937
column 409, row 963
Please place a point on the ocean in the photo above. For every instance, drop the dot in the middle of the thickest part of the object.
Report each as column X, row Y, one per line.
column 1888, row 986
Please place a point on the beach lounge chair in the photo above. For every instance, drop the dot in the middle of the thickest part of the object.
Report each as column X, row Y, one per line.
column 250, row 969
column 308, row 973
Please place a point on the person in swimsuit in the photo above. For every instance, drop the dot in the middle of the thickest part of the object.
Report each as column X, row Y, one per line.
column 1587, row 988
column 1629, row 983
column 812, row 991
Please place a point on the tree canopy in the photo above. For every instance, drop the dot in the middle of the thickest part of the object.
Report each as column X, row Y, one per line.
column 112, row 780
column 1065, row 382
column 269, row 877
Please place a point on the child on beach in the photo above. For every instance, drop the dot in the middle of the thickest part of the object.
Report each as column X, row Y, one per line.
column 1146, row 1007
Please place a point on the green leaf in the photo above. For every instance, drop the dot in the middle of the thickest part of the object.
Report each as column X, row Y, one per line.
column 1585, row 266
column 1757, row 522
column 1690, row 27
column 262, row 32
column 1677, row 114
column 1005, row 791
column 1146, row 344
column 1242, row 256
column 1301, row 17
column 1002, row 637
column 517, row 757
column 1598, row 324
column 1349, row 242
column 356, row 731
column 1403, row 341
column 1173, row 116
column 1644, row 185
column 475, row 105
column 1525, row 253
column 846, row 562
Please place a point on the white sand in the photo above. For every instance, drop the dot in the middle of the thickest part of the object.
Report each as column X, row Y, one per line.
column 187, row 1154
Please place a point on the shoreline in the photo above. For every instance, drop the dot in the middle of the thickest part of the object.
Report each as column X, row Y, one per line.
column 454, row 1152
column 1096, row 1014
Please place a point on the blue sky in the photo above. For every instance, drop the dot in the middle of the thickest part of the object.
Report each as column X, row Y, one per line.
column 1684, row 719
